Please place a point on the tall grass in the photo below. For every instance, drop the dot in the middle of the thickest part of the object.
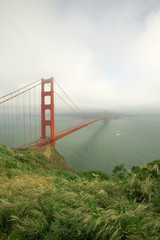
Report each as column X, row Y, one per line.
column 39, row 202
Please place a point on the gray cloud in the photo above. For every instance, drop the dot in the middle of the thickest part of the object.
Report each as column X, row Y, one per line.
column 105, row 54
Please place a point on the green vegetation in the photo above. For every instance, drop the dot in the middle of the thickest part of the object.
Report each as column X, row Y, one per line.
column 39, row 202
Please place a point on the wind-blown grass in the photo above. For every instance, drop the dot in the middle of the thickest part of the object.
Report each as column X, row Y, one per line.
column 39, row 202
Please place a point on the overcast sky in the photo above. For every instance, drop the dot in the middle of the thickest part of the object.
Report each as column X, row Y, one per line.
column 104, row 53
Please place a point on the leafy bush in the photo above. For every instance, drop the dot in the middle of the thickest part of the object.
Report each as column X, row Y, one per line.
column 92, row 175
column 119, row 170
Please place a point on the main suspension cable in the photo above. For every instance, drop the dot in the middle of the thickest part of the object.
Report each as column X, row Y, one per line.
column 20, row 93
column 70, row 100
column 19, row 89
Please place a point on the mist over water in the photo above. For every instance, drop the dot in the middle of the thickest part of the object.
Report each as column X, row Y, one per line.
column 123, row 139
column 129, row 141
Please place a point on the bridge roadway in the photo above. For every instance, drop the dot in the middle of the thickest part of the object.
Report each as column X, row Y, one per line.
column 60, row 134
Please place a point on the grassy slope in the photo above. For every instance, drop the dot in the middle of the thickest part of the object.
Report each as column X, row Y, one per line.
column 39, row 202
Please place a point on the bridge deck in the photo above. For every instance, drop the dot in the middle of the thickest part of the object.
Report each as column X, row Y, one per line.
column 59, row 135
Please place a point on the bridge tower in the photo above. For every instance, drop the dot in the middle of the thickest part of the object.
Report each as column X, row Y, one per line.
column 44, row 107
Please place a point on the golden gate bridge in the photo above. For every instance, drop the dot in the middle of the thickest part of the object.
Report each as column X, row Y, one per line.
column 36, row 115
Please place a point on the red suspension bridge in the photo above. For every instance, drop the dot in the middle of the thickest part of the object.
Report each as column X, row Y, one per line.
column 38, row 114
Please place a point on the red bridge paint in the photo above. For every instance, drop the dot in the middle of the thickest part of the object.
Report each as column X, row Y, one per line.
column 53, row 137
column 50, row 106
column 59, row 135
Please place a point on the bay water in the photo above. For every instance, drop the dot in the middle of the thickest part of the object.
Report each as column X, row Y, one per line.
column 127, row 140
column 130, row 141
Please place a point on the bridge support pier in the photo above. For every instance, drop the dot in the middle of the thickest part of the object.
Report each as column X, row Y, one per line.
column 45, row 106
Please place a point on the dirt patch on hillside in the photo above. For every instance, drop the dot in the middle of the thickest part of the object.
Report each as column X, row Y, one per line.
column 54, row 158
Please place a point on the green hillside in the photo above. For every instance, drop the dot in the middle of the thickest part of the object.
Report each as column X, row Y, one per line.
column 38, row 201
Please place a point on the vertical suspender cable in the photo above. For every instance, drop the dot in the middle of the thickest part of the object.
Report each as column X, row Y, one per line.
column 12, row 107
column 8, row 123
column 30, row 120
column 16, row 120
column 24, row 119
column 34, row 113
column 19, row 121
column 4, row 124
